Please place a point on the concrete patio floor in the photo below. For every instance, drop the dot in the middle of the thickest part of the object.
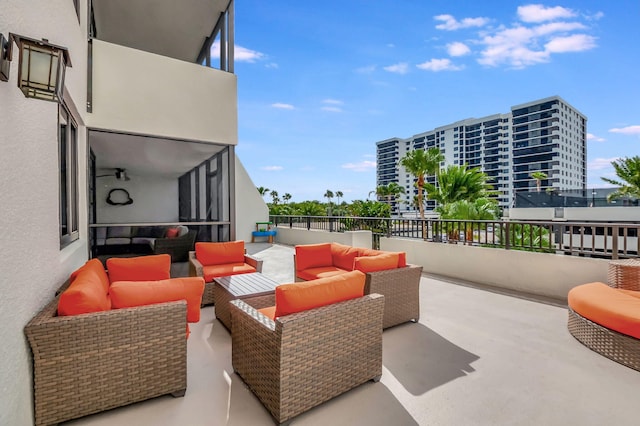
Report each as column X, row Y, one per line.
column 476, row 357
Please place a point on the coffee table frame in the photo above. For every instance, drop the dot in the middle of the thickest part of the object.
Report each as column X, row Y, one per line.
column 255, row 289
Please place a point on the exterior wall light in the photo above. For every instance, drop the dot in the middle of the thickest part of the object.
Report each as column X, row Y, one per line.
column 41, row 66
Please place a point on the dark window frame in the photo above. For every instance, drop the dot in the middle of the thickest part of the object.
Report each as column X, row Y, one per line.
column 68, row 211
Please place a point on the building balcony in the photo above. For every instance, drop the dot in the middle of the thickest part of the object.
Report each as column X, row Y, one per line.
column 479, row 355
column 138, row 92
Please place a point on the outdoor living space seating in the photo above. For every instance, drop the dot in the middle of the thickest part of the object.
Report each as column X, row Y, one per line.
column 175, row 241
column 606, row 318
column 478, row 355
column 387, row 274
column 109, row 340
column 219, row 259
column 320, row 339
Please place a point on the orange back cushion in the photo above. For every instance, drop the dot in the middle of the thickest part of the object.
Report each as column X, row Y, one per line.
column 292, row 298
column 142, row 268
column 92, row 265
column 128, row 294
column 343, row 256
column 220, row 253
column 85, row 294
column 313, row 256
column 380, row 262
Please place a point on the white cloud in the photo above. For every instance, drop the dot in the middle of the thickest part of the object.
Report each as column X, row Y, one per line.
column 592, row 137
column 332, row 102
column 240, row 54
column 572, row 43
column 439, row 65
column 629, row 130
column 362, row 166
column 601, row 163
column 271, row 168
column 280, row 105
column 331, row 109
column 457, row 49
column 272, row 65
column 449, row 23
column 540, row 13
column 366, row 69
column 400, row 68
column 519, row 46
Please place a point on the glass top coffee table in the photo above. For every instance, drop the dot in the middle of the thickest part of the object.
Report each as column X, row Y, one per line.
column 255, row 289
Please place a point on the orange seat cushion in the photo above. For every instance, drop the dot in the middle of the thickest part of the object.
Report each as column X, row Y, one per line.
column 343, row 256
column 85, row 294
column 322, row 272
column 379, row 262
column 609, row 307
column 292, row 298
column 142, row 268
column 96, row 266
column 213, row 271
column 368, row 252
column 313, row 256
column 220, row 253
column 128, row 294
column 269, row 312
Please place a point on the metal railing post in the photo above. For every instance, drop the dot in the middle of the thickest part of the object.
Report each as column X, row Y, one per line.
column 507, row 239
column 614, row 242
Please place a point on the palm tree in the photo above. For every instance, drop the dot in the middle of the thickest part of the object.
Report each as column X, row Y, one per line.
column 262, row 190
column 628, row 172
column 274, row 197
column 420, row 163
column 286, row 197
column 339, row 195
column 456, row 183
column 388, row 192
column 539, row 177
column 329, row 195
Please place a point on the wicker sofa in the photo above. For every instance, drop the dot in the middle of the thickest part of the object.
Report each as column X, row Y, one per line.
column 175, row 241
column 107, row 357
column 297, row 361
column 211, row 260
column 606, row 319
column 398, row 281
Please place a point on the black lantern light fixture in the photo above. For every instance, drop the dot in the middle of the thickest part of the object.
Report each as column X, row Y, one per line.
column 41, row 66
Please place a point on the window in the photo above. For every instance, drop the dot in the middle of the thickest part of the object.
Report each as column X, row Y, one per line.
column 68, row 166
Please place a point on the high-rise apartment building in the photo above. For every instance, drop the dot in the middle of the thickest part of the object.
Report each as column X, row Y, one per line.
column 546, row 135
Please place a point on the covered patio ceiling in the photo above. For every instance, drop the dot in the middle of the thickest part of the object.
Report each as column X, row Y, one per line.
column 148, row 156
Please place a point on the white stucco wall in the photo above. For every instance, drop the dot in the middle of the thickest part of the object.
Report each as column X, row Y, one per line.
column 250, row 207
column 548, row 275
column 33, row 265
column 143, row 93
column 295, row 236
column 155, row 199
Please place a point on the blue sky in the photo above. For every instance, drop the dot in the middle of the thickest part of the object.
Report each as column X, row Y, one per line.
column 319, row 83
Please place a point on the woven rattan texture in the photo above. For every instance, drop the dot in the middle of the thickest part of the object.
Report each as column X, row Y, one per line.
column 195, row 270
column 401, row 290
column 613, row 345
column 624, row 274
column 222, row 298
column 302, row 360
column 88, row 363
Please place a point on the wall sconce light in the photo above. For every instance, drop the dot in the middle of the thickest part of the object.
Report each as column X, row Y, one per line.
column 41, row 66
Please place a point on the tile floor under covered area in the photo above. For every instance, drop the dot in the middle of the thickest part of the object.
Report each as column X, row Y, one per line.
column 476, row 357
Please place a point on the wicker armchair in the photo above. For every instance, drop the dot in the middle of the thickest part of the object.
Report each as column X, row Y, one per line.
column 400, row 288
column 302, row 360
column 88, row 363
column 195, row 270
column 178, row 247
